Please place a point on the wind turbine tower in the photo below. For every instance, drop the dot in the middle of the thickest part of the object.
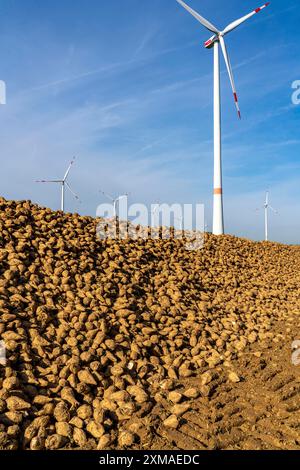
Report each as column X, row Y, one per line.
column 64, row 184
column 115, row 201
column 214, row 42
column 267, row 206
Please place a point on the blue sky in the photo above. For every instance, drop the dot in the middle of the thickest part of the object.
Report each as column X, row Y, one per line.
column 126, row 86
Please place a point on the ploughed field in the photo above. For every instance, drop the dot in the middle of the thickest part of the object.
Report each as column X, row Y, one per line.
column 143, row 344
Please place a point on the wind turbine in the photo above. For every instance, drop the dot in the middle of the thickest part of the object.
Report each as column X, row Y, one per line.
column 214, row 41
column 267, row 206
column 64, row 184
column 115, row 200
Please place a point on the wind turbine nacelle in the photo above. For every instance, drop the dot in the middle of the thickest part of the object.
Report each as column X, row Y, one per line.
column 210, row 42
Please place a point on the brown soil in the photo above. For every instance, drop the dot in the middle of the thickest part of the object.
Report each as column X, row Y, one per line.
column 262, row 412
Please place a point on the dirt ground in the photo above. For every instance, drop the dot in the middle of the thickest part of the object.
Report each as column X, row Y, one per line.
column 262, row 412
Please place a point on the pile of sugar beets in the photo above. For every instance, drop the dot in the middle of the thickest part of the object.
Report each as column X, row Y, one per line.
column 96, row 331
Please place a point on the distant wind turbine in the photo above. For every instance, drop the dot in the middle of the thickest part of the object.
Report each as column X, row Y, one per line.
column 214, row 41
column 267, row 206
column 115, row 200
column 63, row 184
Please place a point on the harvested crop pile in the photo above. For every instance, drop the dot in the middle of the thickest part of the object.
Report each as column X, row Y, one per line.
column 100, row 332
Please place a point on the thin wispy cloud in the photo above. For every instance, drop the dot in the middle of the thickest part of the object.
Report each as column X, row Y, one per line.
column 146, row 40
column 115, row 67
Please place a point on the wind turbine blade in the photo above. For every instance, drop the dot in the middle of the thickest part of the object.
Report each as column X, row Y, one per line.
column 237, row 23
column 49, row 181
column 274, row 210
column 228, row 65
column 68, row 170
column 107, row 195
column 200, row 18
column 71, row 191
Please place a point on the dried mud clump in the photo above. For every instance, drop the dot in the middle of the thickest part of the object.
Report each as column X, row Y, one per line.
column 98, row 331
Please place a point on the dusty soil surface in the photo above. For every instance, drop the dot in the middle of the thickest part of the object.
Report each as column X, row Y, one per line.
column 262, row 412
column 143, row 344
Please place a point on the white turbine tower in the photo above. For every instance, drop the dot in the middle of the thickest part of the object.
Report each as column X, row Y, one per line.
column 214, row 41
column 115, row 200
column 63, row 184
column 267, row 206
